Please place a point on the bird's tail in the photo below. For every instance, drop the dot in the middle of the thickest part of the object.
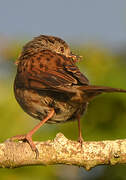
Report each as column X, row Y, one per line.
column 91, row 91
column 100, row 89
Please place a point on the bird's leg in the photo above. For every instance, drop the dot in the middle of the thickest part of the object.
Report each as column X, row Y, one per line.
column 80, row 138
column 28, row 137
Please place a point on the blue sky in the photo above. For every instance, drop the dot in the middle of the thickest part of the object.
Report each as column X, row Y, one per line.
column 81, row 20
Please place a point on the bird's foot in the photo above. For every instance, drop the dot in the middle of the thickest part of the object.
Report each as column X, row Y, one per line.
column 80, row 140
column 24, row 138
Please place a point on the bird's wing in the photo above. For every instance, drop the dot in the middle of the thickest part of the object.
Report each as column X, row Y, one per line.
column 49, row 70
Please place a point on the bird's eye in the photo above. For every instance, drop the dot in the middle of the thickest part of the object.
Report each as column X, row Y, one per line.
column 62, row 49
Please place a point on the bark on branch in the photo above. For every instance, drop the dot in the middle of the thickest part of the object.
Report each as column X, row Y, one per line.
column 63, row 151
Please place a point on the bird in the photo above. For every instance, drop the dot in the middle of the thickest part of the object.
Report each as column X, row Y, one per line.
column 50, row 87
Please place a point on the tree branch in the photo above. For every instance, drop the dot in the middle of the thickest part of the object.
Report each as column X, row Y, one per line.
column 63, row 151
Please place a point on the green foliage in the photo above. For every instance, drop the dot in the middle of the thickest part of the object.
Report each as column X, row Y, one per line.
column 104, row 119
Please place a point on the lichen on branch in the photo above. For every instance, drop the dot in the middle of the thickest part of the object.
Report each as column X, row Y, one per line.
column 63, row 151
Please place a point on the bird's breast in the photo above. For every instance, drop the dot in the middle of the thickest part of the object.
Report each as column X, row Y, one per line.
column 38, row 104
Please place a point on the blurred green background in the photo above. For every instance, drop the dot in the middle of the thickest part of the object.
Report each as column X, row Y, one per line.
column 95, row 30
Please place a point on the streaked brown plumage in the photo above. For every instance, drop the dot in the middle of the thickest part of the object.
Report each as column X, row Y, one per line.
column 49, row 86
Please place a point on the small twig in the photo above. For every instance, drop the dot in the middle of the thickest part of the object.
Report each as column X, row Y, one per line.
column 63, row 151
